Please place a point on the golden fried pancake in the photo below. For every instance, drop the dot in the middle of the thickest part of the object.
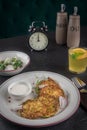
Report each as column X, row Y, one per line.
column 51, row 88
column 32, row 109
column 46, row 104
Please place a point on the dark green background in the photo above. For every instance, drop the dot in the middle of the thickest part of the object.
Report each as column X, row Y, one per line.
column 17, row 15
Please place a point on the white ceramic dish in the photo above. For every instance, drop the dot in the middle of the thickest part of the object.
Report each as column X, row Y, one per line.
column 10, row 54
column 19, row 90
column 32, row 77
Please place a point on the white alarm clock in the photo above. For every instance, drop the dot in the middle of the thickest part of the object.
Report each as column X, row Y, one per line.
column 38, row 39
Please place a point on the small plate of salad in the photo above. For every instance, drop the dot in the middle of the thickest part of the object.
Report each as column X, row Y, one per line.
column 13, row 62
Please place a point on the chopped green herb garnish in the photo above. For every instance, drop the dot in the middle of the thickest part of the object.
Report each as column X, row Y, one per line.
column 37, row 90
column 15, row 62
column 75, row 55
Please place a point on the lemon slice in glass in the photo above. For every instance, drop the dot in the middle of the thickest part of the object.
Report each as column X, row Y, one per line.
column 82, row 56
column 79, row 53
column 79, row 50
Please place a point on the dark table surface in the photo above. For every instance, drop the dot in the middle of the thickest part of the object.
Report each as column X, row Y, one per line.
column 55, row 59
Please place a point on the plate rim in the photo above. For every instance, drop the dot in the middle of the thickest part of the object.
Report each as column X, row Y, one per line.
column 49, row 124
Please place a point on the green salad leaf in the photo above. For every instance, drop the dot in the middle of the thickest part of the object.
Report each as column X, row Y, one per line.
column 14, row 61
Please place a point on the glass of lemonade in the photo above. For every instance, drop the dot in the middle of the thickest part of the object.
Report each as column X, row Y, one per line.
column 77, row 60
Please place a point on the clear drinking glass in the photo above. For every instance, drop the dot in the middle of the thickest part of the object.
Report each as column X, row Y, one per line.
column 77, row 60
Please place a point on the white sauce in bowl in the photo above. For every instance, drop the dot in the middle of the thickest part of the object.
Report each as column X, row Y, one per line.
column 19, row 89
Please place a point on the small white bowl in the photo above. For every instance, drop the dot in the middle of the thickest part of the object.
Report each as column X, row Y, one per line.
column 19, row 90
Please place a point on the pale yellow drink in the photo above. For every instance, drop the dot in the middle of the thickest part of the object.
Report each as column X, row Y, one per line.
column 77, row 60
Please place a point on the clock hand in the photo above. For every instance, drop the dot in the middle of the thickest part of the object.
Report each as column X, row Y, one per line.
column 38, row 38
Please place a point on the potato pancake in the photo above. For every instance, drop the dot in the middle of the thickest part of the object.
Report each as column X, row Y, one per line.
column 50, row 87
column 32, row 109
column 46, row 104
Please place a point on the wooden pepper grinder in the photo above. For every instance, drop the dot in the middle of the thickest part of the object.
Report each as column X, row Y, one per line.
column 61, row 26
column 73, row 34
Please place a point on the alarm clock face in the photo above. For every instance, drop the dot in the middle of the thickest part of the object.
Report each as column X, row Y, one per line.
column 38, row 41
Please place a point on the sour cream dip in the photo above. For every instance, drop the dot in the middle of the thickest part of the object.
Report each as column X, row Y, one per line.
column 20, row 89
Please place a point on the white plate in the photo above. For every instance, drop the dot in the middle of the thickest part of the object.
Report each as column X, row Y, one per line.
column 66, row 84
column 10, row 54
